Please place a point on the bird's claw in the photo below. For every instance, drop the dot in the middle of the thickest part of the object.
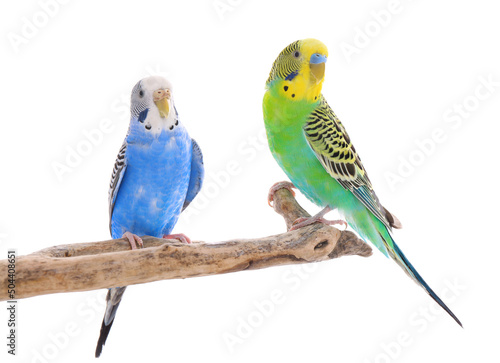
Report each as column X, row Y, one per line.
column 277, row 186
column 180, row 236
column 133, row 239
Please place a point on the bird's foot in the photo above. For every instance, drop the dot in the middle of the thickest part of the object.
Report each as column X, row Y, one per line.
column 180, row 236
column 303, row 221
column 277, row 186
column 317, row 218
column 133, row 239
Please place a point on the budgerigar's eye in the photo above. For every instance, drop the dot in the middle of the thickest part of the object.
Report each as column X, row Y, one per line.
column 141, row 93
column 296, row 54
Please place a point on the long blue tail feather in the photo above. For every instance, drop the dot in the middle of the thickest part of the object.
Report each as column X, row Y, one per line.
column 421, row 281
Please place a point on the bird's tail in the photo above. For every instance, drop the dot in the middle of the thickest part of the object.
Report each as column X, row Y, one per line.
column 102, row 337
column 113, row 299
column 397, row 255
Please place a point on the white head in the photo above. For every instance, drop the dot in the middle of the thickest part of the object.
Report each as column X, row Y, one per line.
column 152, row 105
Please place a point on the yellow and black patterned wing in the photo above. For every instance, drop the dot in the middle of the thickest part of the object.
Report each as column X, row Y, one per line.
column 333, row 148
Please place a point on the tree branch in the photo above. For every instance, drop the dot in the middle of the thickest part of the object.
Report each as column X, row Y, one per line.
column 98, row 265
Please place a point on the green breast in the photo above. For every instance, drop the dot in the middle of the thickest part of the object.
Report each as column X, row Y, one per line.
column 284, row 122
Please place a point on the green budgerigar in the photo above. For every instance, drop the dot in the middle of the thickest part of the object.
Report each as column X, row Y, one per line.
column 312, row 147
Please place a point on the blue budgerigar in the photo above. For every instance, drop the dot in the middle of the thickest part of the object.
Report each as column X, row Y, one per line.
column 158, row 172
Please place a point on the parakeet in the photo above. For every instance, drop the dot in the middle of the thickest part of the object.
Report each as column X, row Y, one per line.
column 158, row 172
column 312, row 147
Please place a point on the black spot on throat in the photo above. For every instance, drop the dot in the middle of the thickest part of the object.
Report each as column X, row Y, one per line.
column 285, row 88
column 148, row 127
column 293, row 95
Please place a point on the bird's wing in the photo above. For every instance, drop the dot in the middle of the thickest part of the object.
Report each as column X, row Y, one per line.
column 116, row 178
column 333, row 148
column 197, row 174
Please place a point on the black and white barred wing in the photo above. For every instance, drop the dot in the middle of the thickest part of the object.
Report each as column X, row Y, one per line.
column 116, row 178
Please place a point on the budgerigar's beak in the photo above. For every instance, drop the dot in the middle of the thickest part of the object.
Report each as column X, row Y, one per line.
column 317, row 65
column 161, row 98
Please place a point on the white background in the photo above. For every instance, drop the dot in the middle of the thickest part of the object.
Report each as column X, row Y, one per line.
column 409, row 70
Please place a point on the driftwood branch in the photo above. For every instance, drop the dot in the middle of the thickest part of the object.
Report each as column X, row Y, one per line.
column 97, row 265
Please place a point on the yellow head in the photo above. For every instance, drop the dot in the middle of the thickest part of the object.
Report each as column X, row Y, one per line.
column 299, row 70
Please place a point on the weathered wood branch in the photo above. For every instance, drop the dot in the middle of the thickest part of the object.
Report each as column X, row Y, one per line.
column 97, row 265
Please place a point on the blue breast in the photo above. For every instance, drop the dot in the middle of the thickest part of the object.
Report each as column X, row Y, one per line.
column 155, row 184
